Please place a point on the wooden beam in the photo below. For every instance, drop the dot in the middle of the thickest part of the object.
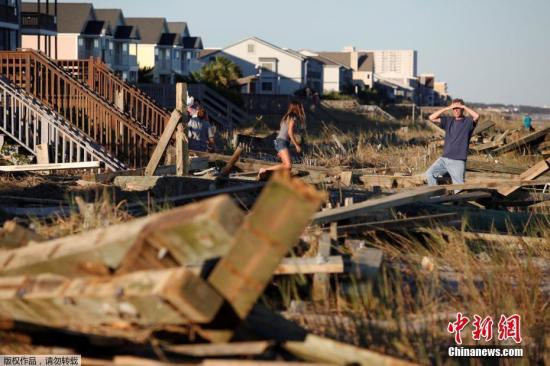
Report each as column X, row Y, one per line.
column 506, row 239
column 357, row 209
column 313, row 265
column 281, row 213
column 319, row 349
column 495, row 184
column 188, row 234
column 482, row 127
column 320, row 289
column 163, row 142
column 522, row 141
column 221, row 349
column 533, row 172
column 482, row 166
column 147, row 298
column 53, row 166
column 231, row 163
column 42, row 155
column 182, row 147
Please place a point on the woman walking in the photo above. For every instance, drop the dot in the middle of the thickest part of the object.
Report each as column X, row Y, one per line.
column 293, row 118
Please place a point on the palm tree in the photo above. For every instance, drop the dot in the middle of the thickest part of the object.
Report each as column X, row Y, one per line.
column 222, row 72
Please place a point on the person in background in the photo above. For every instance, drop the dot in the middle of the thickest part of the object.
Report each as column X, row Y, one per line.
column 527, row 123
column 458, row 131
column 291, row 121
column 200, row 132
column 192, row 106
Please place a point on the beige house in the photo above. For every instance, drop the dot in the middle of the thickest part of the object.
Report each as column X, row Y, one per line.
column 362, row 64
column 78, row 32
column 337, row 77
column 121, row 48
column 158, row 47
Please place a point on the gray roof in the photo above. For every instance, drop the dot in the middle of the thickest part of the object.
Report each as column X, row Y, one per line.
column 207, row 52
column 150, row 29
column 178, row 27
column 343, row 58
column 192, row 43
column 71, row 17
column 365, row 59
column 110, row 16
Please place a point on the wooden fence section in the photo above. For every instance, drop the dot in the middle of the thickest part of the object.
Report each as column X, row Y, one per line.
column 123, row 137
column 128, row 98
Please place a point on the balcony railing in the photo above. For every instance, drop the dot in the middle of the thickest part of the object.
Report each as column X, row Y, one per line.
column 38, row 21
column 8, row 14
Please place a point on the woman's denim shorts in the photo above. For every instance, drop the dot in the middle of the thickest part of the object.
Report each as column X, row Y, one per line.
column 281, row 144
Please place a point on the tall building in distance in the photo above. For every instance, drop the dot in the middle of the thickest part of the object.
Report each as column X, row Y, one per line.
column 396, row 64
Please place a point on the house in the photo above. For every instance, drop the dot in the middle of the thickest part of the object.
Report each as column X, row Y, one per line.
column 120, row 48
column 337, row 77
column 158, row 48
column 188, row 47
column 79, row 32
column 270, row 69
column 361, row 64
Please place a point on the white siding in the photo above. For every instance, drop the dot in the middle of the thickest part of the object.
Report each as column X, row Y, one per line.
column 289, row 68
column 331, row 79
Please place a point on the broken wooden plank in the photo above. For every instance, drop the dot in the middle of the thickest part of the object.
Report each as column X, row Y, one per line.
column 189, row 234
column 163, row 142
column 506, row 239
column 492, row 166
column 393, row 181
column 147, row 298
column 13, row 235
column 231, row 163
column 319, row 349
column 357, row 209
column 496, row 184
column 324, row 265
column 320, row 289
column 281, row 213
column 482, row 127
column 522, row 141
column 533, row 172
column 252, row 348
column 53, row 166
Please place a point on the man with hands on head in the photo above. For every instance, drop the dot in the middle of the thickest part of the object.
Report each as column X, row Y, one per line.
column 458, row 131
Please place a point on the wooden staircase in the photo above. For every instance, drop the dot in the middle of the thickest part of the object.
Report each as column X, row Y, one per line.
column 128, row 98
column 29, row 122
column 120, row 134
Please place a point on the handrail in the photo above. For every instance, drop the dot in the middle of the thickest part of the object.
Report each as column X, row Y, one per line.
column 42, row 125
column 39, row 76
column 102, row 80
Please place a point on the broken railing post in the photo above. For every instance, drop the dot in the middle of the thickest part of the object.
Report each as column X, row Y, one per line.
column 182, row 147
column 281, row 213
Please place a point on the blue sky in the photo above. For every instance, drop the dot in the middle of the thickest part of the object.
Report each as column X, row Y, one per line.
column 487, row 50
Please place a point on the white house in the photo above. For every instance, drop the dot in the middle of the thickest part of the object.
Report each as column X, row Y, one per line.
column 270, row 69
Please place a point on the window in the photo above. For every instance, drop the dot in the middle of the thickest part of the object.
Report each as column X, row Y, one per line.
column 124, row 47
column 251, row 48
column 268, row 66
column 111, row 46
column 81, row 42
column 167, row 53
column 96, row 43
column 156, row 51
column 267, row 86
